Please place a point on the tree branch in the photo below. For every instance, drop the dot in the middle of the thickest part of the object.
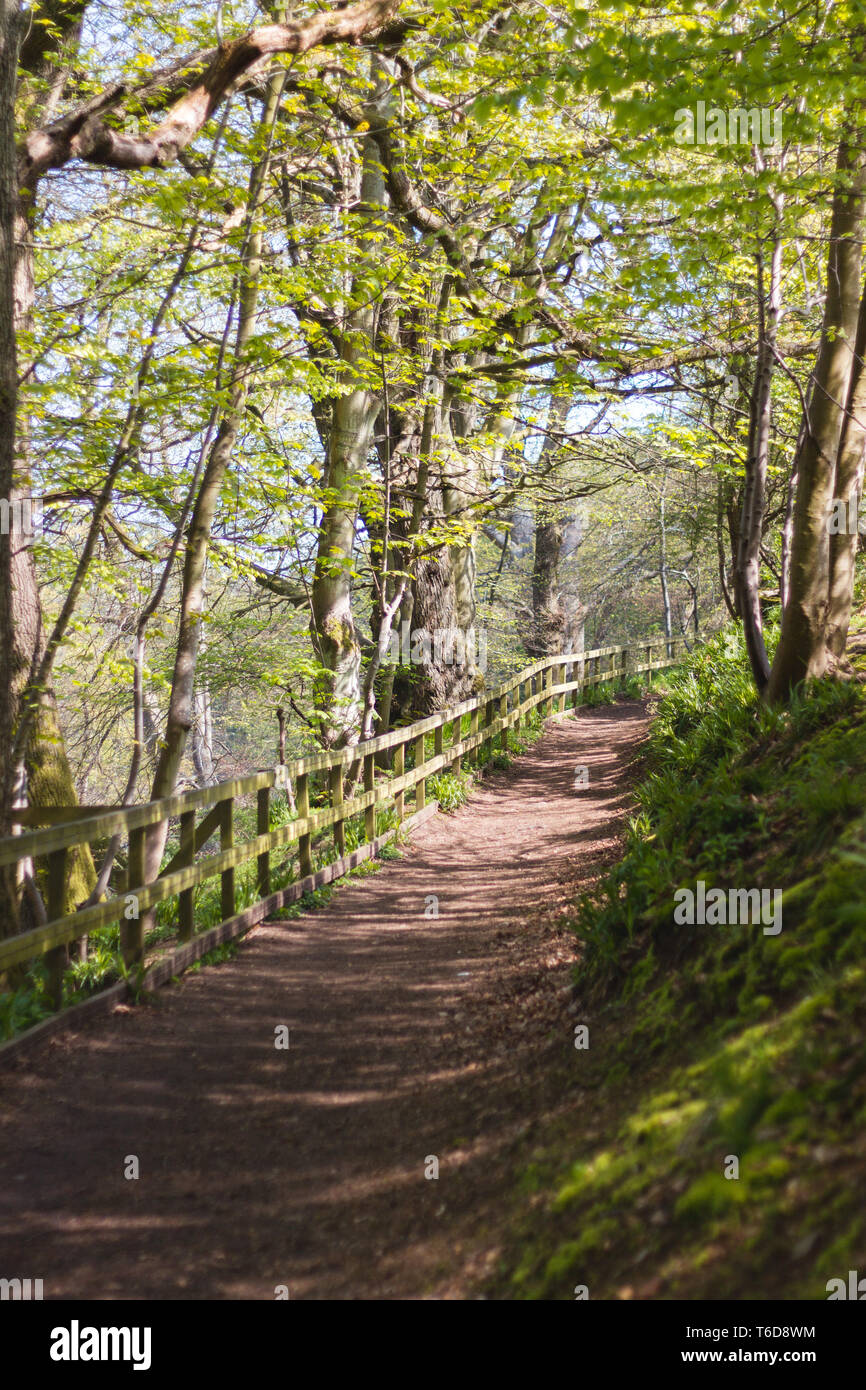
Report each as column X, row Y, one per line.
column 85, row 136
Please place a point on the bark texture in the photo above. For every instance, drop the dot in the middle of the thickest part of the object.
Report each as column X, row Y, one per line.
column 804, row 651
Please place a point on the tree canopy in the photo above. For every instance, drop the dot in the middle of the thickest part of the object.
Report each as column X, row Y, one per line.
column 322, row 324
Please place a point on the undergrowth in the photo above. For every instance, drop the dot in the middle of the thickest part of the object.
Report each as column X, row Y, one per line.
column 715, row 1048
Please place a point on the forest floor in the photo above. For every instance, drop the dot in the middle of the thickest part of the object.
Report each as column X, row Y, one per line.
column 412, row 1038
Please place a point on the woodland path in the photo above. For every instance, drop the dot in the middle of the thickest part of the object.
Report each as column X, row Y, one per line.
column 410, row 1036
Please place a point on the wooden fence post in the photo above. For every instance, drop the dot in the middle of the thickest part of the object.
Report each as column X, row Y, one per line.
column 503, row 715
column 186, row 899
column 399, row 769
column 335, row 782
column 132, row 928
column 305, row 852
column 473, row 730
column 456, row 725
column 263, row 826
column 421, row 784
column 227, row 877
column 56, row 959
column 369, row 786
column 353, row 772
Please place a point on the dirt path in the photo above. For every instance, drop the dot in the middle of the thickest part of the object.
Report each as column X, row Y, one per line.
column 410, row 1037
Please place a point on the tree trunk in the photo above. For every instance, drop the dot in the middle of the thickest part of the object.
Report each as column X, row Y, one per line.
column 429, row 684
column 9, row 39
column 43, row 778
column 332, row 628
column 338, row 690
column 848, row 491
column 557, row 618
column 202, row 736
column 748, row 572
column 803, row 650
column 460, row 483
column 557, row 614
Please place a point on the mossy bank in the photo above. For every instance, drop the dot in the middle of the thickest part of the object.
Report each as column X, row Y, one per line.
column 716, row 1144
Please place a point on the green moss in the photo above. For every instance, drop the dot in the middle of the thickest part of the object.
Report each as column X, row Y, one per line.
column 709, row 1196
column 726, row 1041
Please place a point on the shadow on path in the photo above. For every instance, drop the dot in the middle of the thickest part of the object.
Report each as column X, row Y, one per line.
column 410, row 1037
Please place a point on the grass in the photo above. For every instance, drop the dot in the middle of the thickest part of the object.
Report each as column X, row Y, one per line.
column 226, row 951
column 717, row 1049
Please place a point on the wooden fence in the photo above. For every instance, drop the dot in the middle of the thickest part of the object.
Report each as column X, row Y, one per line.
column 393, row 769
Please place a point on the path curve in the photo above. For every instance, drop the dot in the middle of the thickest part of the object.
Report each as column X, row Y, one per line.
column 411, row 1037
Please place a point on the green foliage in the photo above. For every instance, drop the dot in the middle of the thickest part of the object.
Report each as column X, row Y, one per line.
column 100, row 969
column 570, row 250
column 226, row 951
column 450, row 789
column 22, row 1009
column 710, row 1042
column 596, row 695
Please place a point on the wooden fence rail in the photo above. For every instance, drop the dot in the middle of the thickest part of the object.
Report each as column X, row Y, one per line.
column 318, row 777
